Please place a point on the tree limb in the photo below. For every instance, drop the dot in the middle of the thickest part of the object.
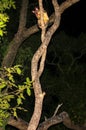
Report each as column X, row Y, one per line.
column 18, row 123
column 23, row 15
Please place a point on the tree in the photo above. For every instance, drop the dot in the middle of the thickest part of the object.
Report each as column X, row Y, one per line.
column 37, row 64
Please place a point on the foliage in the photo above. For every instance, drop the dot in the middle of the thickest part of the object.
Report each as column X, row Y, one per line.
column 4, row 18
column 9, row 90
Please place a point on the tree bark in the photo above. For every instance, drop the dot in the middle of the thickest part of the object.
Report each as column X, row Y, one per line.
column 18, row 123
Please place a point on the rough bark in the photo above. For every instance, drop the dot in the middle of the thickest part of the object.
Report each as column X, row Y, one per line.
column 18, row 123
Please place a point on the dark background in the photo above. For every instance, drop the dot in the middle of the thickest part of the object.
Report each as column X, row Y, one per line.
column 74, row 19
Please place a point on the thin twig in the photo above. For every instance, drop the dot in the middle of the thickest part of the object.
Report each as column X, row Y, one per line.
column 57, row 108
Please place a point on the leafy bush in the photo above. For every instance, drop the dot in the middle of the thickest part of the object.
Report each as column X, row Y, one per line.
column 9, row 90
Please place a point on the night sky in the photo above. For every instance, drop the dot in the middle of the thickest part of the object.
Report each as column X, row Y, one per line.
column 74, row 19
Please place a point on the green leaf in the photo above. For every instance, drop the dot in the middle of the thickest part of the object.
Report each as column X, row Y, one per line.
column 1, row 32
column 28, row 91
column 2, row 85
column 9, row 97
column 15, row 113
column 18, row 71
column 22, row 96
column 28, row 82
column 27, row 79
column 19, row 101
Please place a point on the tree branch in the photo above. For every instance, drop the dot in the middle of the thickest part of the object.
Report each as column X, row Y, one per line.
column 23, row 15
column 18, row 123
column 63, row 117
column 67, row 4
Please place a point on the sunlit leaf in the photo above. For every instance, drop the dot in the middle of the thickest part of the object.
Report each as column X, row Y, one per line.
column 2, row 85
column 28, row 91
column 15, row 113
column 22, row 96
column 19, row 101
column 18, row 71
